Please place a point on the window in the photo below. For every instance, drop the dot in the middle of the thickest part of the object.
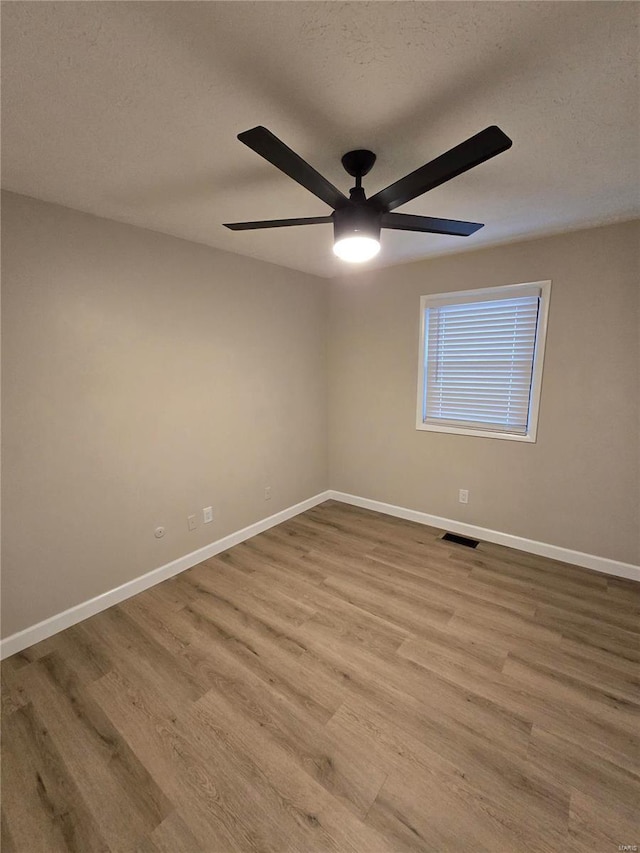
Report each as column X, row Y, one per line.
column 481, row 354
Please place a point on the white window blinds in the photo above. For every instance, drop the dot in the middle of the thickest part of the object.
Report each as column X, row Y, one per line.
column 479, row 357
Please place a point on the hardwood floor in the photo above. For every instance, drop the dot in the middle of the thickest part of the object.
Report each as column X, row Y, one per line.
column 344, row 682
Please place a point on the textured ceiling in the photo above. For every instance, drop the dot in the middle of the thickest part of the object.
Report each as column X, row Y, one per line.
column 130, row 110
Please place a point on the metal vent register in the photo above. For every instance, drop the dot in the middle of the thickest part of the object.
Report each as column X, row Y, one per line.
column 460, row 540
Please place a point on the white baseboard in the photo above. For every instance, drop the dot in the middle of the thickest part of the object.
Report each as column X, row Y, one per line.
column 542, row 549
column 48, row 627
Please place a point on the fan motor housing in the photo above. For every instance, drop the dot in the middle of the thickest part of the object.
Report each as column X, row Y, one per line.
column 356, row 220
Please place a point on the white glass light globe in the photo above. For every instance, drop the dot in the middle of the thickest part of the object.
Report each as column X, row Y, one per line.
column 356, row 249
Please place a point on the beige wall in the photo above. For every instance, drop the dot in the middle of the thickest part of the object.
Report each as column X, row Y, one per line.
column 144, row 377
column 578, row 486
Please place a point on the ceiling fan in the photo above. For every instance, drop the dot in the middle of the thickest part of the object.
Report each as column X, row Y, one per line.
column 357, row 220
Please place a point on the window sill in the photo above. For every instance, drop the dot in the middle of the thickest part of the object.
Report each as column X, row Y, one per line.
column 529, row 437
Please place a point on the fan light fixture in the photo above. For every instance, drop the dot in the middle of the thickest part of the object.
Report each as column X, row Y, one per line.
column 357, row 220
column 356, row 230
column 356, row 249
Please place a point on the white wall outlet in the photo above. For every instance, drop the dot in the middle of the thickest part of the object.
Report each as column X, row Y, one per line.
column 192, row 522
column 463, row 496
column 207, row 514
column 267, row 493
column 159, row 532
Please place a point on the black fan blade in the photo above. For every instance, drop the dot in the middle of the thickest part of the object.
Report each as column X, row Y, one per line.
column 277, row 223
column 429, row 225
column 264, row 143
column 472, row 152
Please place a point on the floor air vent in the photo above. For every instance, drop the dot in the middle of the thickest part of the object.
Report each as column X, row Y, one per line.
column 460, row 540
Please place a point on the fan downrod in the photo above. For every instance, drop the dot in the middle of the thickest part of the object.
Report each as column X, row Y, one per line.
column 358, row 163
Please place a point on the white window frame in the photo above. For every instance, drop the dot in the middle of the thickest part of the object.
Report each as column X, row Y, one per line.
column 481, row 295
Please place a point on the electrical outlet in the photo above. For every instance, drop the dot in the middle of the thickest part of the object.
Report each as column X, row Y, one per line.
column 267, row 493
column 207, row 514
column 463, row 496
column 192, row 522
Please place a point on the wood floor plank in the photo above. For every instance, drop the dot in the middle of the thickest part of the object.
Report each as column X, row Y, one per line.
column 402, row 610
column 335, row 764
column 342, row 768
column 7, row 844
column 137, row 654
column 43, row 805
column 85, row 659
column 433, row 583
column 247, row 595
column 280, row 670
column 244, row 620
column 420, row 809
column 617, row 665
column 623, row 590
column 204, row 787
column 346, row 682
column 407, row 690
column 519, row 696
column 124, row 800
column 325, row 600
column 12, row 696
column 556, row 686
column 300, row 797
column 357, row 630
column 579, row 600
column 553, row 571
column 570, row 662
column 576, row 767
column 593, row 825
column 535, row 581
column 172, row 836
column 446, row 587
column 590, row 631
column 445, row 650
column 267, row 547
column 522, row 798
